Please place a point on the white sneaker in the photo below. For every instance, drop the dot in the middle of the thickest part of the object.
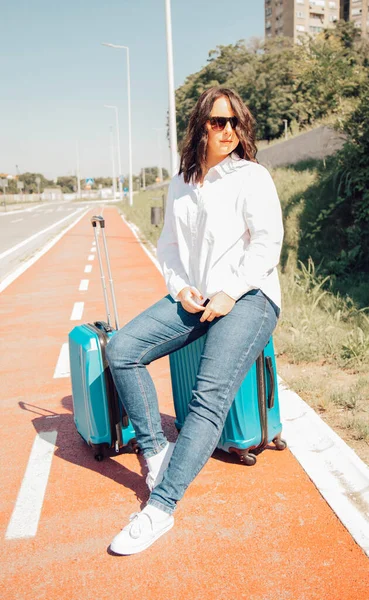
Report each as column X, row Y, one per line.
column 157, row 465
column 144, row 529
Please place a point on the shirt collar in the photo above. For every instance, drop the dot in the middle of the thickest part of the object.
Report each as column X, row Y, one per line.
column 230, row 163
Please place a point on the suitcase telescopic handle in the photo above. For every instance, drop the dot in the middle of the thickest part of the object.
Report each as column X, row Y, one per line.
column 95, row 220
column 269, row 366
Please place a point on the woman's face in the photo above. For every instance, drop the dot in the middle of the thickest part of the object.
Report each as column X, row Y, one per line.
column 221, row 143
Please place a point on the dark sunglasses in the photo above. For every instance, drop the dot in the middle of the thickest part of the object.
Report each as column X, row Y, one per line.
column 218, row 123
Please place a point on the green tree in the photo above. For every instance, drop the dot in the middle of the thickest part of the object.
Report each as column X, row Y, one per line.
column 67, row 183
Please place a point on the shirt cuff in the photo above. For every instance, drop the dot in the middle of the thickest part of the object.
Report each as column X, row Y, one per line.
column 235, row 291
column 175, row 285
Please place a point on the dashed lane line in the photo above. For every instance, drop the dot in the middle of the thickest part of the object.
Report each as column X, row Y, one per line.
column 62, row 368
column 22, row 268
column 88, row 269
column 20, row 210
column 77, row 311
column 27, row 510
column 90, row 257
column 83, row 286
column 36, row 235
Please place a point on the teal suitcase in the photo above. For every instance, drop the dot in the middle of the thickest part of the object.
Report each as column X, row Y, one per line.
column 99, row 416
column 253, row 420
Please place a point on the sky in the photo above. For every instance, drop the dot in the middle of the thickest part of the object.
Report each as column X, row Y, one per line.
column 56, row 76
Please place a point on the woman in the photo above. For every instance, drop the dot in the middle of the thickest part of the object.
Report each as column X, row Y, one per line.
column 219, row 251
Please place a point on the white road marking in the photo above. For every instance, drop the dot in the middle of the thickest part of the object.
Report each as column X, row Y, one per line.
column 13, row 276
column 62, row 368
column 339, row 474
column 77, row 311
column 93, row 249
column 20, row 210
column 16, row 220
column 83, row 286
column 90, row 257
column 21, row 244
column 94, row 243
column 27, row 511
column 88, row 268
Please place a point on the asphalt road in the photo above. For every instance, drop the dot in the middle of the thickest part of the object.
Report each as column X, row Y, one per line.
column 24, row 231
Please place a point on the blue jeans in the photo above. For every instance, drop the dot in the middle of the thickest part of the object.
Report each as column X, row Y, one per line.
column 233, row 343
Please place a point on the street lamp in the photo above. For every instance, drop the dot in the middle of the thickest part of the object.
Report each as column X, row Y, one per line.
column 113, row 162
column 172, row 99
column 119, row 158
column 129, row 117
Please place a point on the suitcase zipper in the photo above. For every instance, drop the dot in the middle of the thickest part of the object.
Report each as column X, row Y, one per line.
column 101, row 329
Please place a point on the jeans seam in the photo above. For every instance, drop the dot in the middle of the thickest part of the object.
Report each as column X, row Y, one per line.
column 148, row 415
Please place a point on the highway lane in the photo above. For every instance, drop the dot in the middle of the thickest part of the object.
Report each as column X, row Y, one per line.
column 25, row 231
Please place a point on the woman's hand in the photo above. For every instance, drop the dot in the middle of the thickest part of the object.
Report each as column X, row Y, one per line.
column 190, row 298
column 220, row 304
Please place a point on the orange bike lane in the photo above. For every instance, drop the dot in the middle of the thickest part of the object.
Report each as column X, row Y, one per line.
column 258, row 532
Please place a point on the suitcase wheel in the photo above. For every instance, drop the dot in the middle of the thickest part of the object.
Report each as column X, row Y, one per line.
column 245, row 456
column 248, row 459
column 279, row 443
column 135, row 448
column 99, row 452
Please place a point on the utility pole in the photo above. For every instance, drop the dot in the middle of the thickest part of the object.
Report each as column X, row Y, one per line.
column 113, row 162
column 172, row 101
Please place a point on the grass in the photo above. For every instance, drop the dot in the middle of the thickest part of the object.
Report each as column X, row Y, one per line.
column 140, row 213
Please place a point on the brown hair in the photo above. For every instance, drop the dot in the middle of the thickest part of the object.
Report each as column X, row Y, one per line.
column 193, row 156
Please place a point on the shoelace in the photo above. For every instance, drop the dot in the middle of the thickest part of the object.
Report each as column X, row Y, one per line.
column 136, row 519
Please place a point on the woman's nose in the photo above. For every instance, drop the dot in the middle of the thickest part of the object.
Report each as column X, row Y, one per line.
column 228, row 127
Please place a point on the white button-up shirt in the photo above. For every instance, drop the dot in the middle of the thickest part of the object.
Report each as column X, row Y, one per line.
column 225, row 235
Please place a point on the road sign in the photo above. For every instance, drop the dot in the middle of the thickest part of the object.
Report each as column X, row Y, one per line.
column 125, row 189
column 20, row 185
column 4, row 183
column 89, row 181
column 121, row 178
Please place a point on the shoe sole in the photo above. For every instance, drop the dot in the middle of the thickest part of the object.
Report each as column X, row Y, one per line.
column 144, row 546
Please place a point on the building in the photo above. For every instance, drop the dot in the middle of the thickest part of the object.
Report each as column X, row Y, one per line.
column 294, row 18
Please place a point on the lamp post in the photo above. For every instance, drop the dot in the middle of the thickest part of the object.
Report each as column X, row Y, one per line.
column 113, row 162
column 119, row 47
column 172, row 100
column 119, row 157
